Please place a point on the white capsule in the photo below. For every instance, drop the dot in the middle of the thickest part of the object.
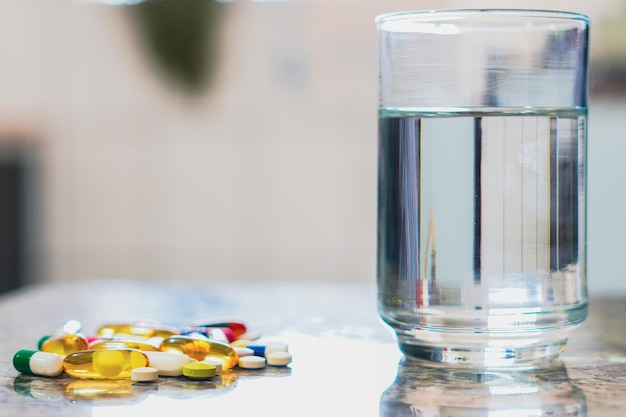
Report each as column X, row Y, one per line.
column 252, row 362
column 168, row 363
column 278, row 358
column 38, row 363
column 219, row 335
column 144, row 374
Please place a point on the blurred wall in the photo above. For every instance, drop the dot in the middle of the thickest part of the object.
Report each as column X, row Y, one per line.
column 270, row 173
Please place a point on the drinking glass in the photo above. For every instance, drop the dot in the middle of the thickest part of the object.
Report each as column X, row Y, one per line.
column 482, row 183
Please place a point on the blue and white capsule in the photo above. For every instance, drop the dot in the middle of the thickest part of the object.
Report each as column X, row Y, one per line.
column 266, row 349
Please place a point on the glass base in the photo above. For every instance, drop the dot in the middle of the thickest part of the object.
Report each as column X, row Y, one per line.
column 488, row 354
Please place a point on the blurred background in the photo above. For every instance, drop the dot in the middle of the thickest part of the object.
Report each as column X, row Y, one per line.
column 199, row 140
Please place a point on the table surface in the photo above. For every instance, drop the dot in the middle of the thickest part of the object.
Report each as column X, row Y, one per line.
column 345, row 360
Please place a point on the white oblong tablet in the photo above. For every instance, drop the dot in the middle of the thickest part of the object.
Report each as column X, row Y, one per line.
column 279, row 358
column 215, row 362
column 144, row 374
column 155, row 341
column 252, row 362
column 130, row 337
column 250, row 336
column 168, row 363
column 243, row 351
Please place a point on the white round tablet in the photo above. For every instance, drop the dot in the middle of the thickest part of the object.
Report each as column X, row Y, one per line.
column 278, row 358
column 275, row 347
column 250, row 336
column 144, row 374
column 252, row 362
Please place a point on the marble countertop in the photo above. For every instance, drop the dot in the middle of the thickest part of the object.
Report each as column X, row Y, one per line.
column 345, row 360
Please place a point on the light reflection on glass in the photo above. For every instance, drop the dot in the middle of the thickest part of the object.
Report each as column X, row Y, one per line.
column 423, row 391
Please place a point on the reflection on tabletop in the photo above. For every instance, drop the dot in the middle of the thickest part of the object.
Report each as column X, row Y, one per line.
column 116, row 392
column 423, row 391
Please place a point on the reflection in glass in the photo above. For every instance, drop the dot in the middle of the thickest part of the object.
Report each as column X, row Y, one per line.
column 422, row 391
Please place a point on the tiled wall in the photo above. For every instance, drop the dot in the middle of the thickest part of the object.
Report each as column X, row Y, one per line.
column 269, row 175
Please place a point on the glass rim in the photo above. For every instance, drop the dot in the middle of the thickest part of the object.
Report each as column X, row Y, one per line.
column 434, row 14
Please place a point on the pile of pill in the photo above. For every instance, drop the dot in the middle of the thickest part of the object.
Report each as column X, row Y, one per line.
column 145, row 351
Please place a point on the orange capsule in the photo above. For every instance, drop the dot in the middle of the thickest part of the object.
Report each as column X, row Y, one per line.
column 63, row 344
column 200, row 349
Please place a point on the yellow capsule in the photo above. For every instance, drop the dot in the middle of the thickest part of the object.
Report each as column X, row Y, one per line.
column 122, row 344
column 63, row 344
column 146, row 330
column 242, row 343
column 200, row 349
column 104, row 363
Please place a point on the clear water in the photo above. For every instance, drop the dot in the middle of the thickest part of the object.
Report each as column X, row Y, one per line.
column 481, row 222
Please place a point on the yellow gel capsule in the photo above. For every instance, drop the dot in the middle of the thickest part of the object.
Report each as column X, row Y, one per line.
column 63, row 344
column 200, row 349
column 123, row 344
column 146, row 330
column 104, row 363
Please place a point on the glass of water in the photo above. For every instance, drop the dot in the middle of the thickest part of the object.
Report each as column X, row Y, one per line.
column 482, row 183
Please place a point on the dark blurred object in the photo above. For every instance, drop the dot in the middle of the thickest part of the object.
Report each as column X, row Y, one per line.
column 181, row 37
column 608, row 77
column 12, row 219
column 608, row 66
